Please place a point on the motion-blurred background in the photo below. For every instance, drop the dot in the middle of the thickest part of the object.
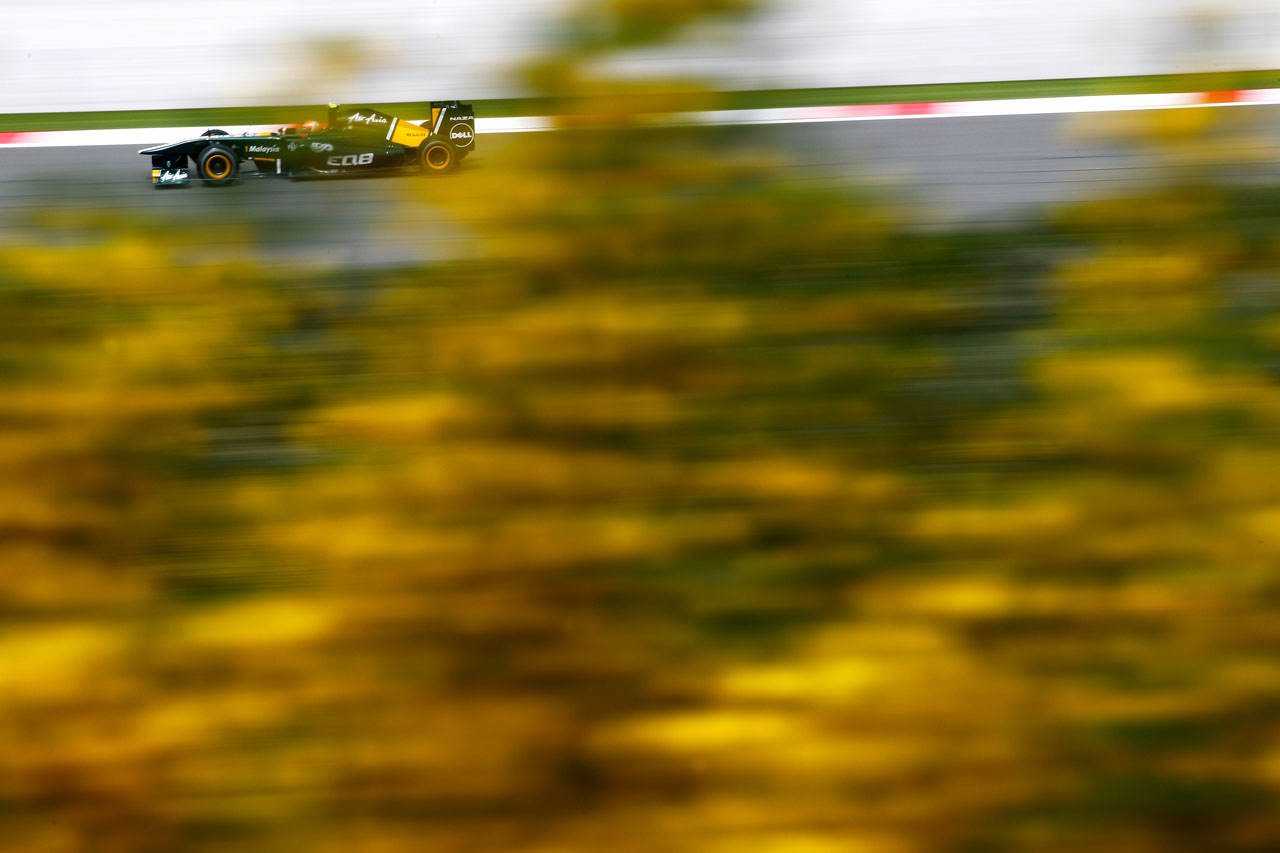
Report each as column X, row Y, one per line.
column 140, row 54
column 790, row 489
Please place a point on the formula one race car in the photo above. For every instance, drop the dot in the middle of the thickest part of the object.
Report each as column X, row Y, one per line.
column 354, row 140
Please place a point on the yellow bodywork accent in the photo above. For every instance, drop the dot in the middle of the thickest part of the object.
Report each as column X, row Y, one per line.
column 155, row 176
column 410, row 134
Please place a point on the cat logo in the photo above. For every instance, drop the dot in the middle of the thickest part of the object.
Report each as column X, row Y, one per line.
column 351, row 160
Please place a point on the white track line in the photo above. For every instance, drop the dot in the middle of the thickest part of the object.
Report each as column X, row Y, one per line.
column 787, row 115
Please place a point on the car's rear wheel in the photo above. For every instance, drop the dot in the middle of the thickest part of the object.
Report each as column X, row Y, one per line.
column 438, row 158
column 218, row 166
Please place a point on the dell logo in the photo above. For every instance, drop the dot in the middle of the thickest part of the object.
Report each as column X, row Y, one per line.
column 461, row 135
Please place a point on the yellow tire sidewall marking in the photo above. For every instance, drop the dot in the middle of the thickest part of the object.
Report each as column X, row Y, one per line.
column 211, row 166
column 448, row 158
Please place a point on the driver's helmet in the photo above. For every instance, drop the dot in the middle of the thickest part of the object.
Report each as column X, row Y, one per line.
column 312, row 127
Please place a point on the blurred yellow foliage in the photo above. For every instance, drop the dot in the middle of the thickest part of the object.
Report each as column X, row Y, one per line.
column 705, row 509
column 56, row 662
column 260, row 624
column 1137, row 383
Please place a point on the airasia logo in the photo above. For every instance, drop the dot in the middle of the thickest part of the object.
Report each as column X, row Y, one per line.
column 461, row 135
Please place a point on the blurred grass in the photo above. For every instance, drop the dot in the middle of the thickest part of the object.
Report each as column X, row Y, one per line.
column 676, row 100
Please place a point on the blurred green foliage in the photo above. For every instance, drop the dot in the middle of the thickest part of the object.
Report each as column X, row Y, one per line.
column 705, row 509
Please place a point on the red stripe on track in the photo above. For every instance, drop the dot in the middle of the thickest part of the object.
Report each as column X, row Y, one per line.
column 1229, row 97
column 870, row 110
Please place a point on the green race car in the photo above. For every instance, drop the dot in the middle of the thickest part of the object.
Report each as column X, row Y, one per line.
column 354, row 140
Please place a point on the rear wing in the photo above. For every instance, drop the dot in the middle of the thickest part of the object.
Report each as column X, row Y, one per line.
column 455, row 122
column 451, row 121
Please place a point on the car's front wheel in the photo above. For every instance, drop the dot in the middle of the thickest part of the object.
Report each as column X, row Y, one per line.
column 438, row 158
column 218, row 166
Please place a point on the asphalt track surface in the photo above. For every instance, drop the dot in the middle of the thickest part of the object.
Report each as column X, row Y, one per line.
column 991, row 170
column 314, row 222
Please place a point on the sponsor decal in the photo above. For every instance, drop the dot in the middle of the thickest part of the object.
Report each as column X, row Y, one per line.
column 461, row 135
column 360, row 118
column 264, row 149
column 321, row 146
column 351, row 160
column 172, row 176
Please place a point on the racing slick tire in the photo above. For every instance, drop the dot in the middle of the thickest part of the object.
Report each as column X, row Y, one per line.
column 438, row 158
column 218, row 166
